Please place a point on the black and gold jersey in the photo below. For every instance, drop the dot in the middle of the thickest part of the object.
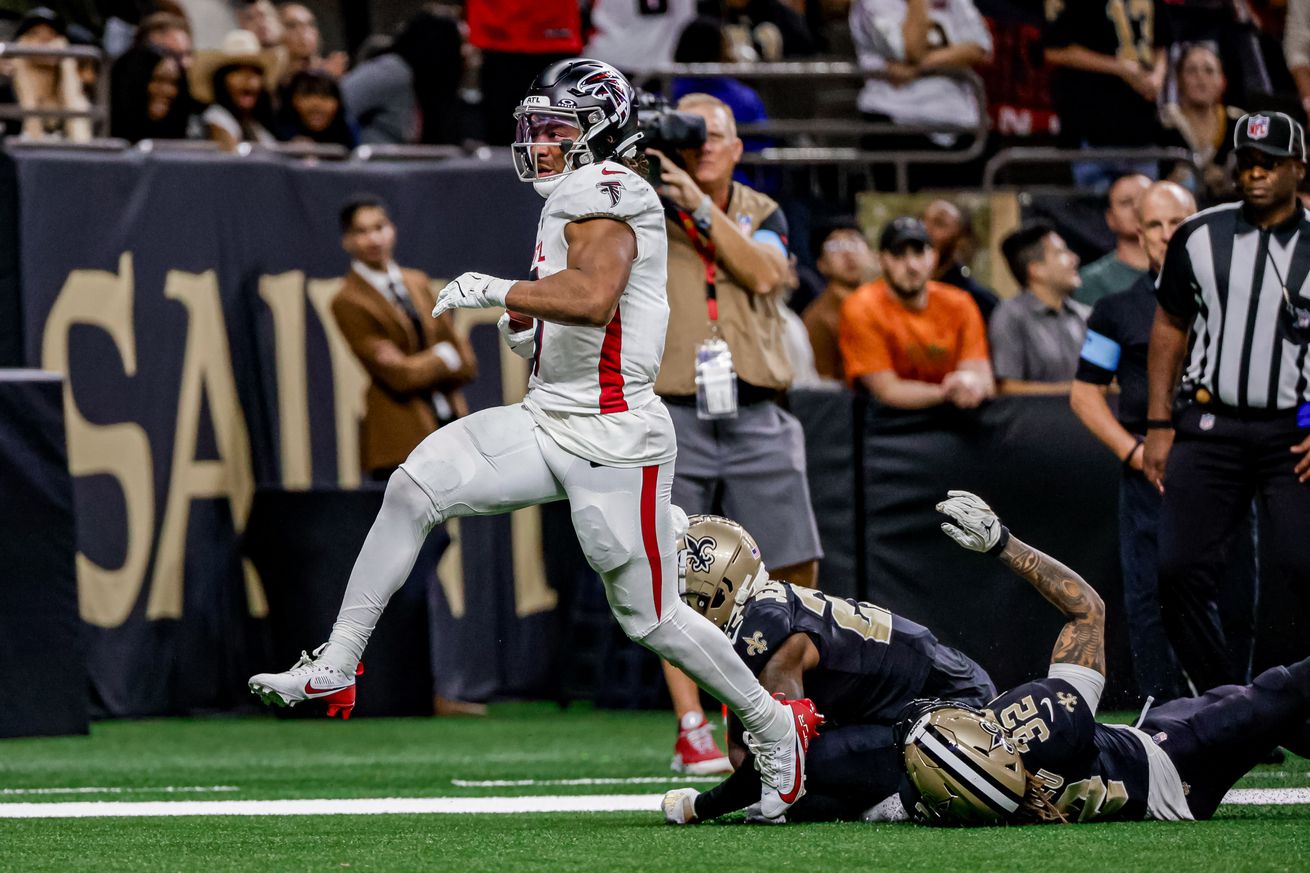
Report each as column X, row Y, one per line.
column 1090, row 771
column 871, row 662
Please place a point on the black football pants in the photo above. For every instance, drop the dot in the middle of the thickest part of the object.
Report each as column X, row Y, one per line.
column 1220, row 461
column 1216, row 739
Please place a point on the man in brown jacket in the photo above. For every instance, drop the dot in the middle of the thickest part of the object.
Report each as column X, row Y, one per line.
column 416, row 363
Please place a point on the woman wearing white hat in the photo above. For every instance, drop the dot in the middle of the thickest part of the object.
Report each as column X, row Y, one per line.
column 234, row 81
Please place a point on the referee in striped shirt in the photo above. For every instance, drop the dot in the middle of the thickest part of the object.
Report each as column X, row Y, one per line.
column 1229, row 389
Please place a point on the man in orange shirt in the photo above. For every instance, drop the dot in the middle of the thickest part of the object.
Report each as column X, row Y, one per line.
column 911, row 342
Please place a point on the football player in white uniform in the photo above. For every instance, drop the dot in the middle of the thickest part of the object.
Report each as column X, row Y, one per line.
column 591, row 430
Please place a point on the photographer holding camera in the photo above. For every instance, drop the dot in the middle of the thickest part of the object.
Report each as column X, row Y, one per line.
column 724, row 366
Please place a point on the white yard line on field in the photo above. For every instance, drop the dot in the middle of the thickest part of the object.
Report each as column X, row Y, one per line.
column 599, row 780
column 346, row 806
column 440, row 805
column 109, row 789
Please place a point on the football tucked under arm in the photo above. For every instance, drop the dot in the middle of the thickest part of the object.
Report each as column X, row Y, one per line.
column 520, row 342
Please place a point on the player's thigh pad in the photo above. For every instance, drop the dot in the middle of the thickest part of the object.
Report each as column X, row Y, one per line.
column 621, row 516
column 488, row 462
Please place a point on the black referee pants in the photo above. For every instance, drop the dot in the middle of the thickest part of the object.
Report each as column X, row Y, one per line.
column 1220, row 461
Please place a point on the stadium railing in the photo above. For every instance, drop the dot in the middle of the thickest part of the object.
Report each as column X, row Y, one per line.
column 809, row 86
column 386, row 152
column 97, row 112
column 1027, row 155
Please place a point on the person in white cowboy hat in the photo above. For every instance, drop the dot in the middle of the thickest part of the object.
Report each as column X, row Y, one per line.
column 234, row 82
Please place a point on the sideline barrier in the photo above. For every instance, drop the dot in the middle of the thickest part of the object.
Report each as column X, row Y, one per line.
column 43, row 688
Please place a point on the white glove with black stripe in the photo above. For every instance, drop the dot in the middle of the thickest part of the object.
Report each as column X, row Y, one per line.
column 472, row 291
column 976, row 526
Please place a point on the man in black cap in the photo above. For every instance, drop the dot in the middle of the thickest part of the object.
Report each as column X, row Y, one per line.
column 1229, row 390
column 909, row 341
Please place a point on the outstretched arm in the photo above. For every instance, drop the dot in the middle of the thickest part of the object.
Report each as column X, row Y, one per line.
column 1082, row 641
column 976, row 527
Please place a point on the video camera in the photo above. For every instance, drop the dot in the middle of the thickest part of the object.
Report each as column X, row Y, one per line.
column 666, row 130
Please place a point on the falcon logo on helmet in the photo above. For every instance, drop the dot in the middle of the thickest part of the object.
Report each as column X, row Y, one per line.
column 720, row 561
column 580, row 106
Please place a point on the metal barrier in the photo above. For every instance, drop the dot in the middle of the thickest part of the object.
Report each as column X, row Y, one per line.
column 97, row 113
column 815, row 75
column 1041, row 155
column 387, row 152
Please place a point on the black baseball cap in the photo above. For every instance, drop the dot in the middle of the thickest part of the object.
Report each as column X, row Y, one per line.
column 900, row 232
column 1274, row 133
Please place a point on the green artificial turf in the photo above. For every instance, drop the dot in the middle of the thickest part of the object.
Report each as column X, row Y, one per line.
column 267, row 758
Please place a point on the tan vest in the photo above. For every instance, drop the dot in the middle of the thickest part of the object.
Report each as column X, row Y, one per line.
column 751, row 324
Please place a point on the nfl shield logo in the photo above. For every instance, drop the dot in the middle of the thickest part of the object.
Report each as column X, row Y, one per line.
column 1257, row 126
column 1207, row 421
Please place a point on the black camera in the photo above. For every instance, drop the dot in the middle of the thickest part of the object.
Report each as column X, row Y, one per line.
column 666, row 130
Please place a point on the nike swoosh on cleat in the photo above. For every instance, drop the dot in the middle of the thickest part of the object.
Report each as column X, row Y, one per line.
column 790, row 797
column 310, row 689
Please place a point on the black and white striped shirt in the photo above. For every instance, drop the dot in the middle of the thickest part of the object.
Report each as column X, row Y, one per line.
column 1226, row 275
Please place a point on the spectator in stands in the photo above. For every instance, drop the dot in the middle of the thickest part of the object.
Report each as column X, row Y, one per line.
column 702, row 42
column 845, row 261
column 1037, row 334
column 728, row 269
column 1121, row 268
column 233, row 80
column 950, row 232
column 1109, row 68
column 313, row 111
column 49, row 83
column 417, row 364
column 410, row 93
column 629, row 37
column 1296, row 47
column 518, row 39
column 303, row 43
column 911, row 342
column 148, row 96
column 1118, row 334
column 1200, row 122
column 169, row 33
column 771, row 27
column 910, row 41
column 262, row 19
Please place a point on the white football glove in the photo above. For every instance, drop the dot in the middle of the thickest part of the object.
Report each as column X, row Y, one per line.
column 679, row 806
column 472, row 291
column 976, row 526
column 520, row 342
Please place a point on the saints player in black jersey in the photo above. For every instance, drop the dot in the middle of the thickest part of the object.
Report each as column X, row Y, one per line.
column 1037, row 754
column 859, row 663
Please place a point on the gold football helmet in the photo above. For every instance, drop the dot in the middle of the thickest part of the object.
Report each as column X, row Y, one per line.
column 963, row 764
column 717, row 558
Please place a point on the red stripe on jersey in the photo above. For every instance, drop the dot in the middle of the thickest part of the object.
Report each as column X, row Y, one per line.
column 611, row 367
column 650, row 478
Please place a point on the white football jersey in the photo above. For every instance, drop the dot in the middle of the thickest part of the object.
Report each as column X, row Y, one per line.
column 593, row 388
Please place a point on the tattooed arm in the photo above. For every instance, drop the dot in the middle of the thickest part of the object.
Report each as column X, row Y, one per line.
column 976, row 527
column 1082, row 641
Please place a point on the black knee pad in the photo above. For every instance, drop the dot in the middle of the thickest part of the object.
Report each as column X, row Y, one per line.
column 1274, row 679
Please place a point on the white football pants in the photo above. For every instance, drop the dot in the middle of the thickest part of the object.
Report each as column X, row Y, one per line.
column 498, row 460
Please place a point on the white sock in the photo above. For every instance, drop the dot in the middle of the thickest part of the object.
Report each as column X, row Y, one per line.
column 383, row 565
column 688, row 640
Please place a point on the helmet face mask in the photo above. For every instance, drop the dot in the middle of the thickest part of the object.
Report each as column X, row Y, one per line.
column 718, row 560
column 591, row 98
column 962, row 764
